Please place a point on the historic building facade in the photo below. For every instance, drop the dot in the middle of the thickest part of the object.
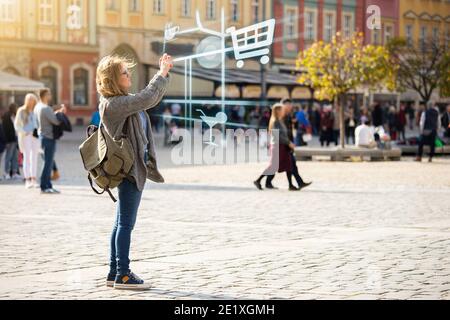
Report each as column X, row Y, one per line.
column 424, row 19
column 54, row 42
column 302, row 22
column 136, row 29
column 421, row 20
column 388, row 28
column 60, row 42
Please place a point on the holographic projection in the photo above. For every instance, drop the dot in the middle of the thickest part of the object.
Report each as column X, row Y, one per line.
column 249, row 42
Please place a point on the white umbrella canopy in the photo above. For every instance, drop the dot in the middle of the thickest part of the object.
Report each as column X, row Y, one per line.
column 11, row 82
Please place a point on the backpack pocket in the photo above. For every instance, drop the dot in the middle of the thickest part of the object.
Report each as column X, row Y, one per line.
column 113, row 165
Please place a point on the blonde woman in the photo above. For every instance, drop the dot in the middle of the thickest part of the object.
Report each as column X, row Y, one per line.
column 123, row 112
column 25, row 125
column 280, row 147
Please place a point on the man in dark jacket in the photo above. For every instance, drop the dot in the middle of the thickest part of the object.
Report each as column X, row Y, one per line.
column 288, row 108
column 445, row 121
column 11, row 150
column 377, row 115
column 429, row 126
column 2, row 147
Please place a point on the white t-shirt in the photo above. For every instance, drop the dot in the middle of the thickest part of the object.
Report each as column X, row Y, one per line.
column 364, row 135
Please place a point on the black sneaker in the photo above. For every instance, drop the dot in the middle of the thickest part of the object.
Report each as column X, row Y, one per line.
column 130, row 281
column 304, row 185
column 257, row 185
column 271, row 186
column 110, row 279
column 293, row 188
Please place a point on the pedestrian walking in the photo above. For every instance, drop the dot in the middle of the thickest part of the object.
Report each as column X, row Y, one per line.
column 26, row 128
column 168, row 124
column 316, row 119
column 411, row 114
column 445, row 121
column 401, row 123
column 2, row 148
column 12, row 151
column 429, row 126
column 350, row 125
column 280, row 147
column 377, row 115
column 303, row 125
column 46, row 119
column 123, row 112
column 288, row 123
column 326, row 126
column 392, row 122
column 336, row 125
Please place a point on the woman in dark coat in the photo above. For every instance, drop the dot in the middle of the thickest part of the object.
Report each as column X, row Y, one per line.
column 280, row 148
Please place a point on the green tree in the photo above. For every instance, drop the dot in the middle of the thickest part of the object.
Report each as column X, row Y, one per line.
column 333, row 69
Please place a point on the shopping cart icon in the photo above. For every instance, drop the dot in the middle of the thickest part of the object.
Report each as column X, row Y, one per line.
column 249, row 42
column 220, row 118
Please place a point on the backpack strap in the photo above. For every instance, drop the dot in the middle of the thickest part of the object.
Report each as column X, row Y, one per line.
column 100, row 193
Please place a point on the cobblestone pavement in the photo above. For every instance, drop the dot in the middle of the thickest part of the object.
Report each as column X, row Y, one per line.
column 361, row 231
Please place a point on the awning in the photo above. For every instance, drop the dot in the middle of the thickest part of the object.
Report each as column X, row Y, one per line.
column 11, row 82
column 237, row 76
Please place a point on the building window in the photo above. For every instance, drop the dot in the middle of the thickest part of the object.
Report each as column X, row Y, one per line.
column 422, row 37
column 348, row 25
column 185, row 8
column 211, row 9
column 49, row 76
column 75, row 16
column 409, row 35
column 234, row 10
column 447, row 38
column 290, row 25
column 158, row 6
column 388, row 33
column 435, row 34
column 310, row 25
column 8, row 9
column 376, row 36
column 46, row 12
column 329, row 28
column 112, row 5
column 134, row 5
column 80, row 87
column 255, row 10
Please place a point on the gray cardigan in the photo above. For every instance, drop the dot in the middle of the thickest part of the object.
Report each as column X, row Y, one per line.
column 124, row 110
column 283, row 137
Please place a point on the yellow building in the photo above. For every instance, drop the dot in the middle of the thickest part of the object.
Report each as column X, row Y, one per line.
column 55, row 42
column 424, row 19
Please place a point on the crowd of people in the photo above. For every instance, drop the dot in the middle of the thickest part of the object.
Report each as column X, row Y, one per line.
column 27, row 132
column 375, row 126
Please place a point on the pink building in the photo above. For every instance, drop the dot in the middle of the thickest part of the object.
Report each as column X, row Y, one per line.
column 389, row 12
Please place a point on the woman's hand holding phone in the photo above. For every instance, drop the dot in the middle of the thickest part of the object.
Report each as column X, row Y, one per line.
column 165, row 64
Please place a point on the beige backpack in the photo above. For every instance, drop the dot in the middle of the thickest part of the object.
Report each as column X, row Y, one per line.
column 107, row 161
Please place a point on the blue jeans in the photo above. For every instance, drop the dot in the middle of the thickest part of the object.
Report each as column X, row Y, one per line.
column 11, row 158
column 127, row 207
column 49, row 147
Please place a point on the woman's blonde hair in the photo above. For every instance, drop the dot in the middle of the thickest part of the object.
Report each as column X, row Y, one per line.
column 28, row 97
column 109, row 71
column 275, row 115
